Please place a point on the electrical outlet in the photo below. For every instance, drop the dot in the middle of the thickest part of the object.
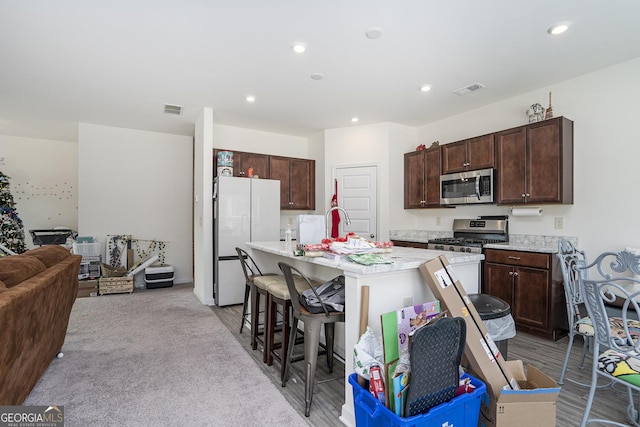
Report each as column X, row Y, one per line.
column 438, row 220
column 407, row 301
column 559, row 222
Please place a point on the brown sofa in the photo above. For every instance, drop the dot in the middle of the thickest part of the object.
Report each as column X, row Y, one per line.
column 37, row 290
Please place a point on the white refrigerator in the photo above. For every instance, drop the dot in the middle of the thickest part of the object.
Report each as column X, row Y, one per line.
column 244, row 210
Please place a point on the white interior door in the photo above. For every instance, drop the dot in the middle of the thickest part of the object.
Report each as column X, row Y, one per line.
column 357, row 194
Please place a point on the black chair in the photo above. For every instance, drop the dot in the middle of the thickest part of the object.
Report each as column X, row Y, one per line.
column 312, row 325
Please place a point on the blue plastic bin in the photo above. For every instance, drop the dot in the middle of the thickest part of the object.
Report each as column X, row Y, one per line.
column 461, row 411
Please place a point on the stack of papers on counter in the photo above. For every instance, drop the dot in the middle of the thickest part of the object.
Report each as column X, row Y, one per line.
column 353, row 246
column 368, row 259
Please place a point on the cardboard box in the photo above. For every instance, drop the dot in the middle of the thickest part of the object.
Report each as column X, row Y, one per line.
column 480, row 350
column 87, row 288
column 534, row 405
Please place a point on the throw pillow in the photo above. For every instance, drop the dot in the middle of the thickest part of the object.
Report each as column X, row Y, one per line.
column 49, row 255
column 18, row 268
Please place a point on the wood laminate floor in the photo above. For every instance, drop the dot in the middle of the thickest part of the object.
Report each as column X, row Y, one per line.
column 546, row 355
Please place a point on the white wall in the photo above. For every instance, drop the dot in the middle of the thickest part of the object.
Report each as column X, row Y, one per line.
column 138, row 183
column 255, row 141
column 369, row 145
column 203, row 207
column 317, row 152
column 44, row 181
column 603, row 106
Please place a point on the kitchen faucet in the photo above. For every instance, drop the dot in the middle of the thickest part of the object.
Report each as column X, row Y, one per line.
column 347, row 220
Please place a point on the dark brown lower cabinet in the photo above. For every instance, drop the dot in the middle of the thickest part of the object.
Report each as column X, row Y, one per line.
column 531, row 283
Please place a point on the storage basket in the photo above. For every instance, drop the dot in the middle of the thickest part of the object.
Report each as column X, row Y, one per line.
column 115, row 285
column 108, row 271
column 461, row 411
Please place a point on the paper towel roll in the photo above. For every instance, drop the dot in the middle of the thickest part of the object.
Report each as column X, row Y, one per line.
column 526, row 211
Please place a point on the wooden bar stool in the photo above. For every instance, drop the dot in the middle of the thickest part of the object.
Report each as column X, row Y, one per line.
column 278, row 297
column 256, row 286
column 279, row 301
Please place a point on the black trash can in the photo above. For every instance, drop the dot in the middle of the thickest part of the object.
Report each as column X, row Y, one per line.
column 496, row 316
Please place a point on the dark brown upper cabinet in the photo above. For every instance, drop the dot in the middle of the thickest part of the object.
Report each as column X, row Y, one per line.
column 535, row 163
column 469, row 154
column 297, row 182
column 422, row 178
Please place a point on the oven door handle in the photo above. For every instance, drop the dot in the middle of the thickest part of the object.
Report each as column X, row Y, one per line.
column 478, row 187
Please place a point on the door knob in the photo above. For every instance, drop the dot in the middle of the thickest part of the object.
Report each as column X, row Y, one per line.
column 372, row 235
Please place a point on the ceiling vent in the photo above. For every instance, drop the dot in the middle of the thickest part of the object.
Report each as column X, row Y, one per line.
column 468, row 89
column 173, row 109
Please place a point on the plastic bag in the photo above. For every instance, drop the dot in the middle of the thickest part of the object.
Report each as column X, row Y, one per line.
column 501, row 328
column 367, row 352
column 331, row 293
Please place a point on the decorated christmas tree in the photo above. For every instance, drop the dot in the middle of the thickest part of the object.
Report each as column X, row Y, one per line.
column 11, row 228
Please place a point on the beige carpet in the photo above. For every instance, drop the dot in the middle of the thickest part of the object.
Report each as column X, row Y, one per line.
column 157, row 358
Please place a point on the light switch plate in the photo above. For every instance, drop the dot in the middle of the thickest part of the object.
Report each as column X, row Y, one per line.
column 559, row 222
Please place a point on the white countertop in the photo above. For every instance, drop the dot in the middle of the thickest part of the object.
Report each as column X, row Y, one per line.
column 403, row 258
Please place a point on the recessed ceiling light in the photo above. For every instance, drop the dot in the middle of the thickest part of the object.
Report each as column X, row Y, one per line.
column 425, row 88
column 250, row 98
column 317, row 76
column 299, row 47
column 558, row 29
column 374, row 33
column 354, row 120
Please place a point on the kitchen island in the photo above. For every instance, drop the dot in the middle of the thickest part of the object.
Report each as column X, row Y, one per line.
column 391, row 286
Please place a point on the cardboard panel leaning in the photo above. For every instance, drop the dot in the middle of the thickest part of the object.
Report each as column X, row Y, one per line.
column 480, row 350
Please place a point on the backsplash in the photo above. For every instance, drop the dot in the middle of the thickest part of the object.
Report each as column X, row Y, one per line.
column 531, row 240
column 423, row 236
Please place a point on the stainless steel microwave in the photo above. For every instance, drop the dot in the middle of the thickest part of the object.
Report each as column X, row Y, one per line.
column 467, row 187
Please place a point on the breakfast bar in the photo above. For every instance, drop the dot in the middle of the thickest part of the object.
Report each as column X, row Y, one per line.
column 391, row 286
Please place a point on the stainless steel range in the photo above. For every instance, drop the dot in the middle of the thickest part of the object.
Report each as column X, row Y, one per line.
column 469, row 235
